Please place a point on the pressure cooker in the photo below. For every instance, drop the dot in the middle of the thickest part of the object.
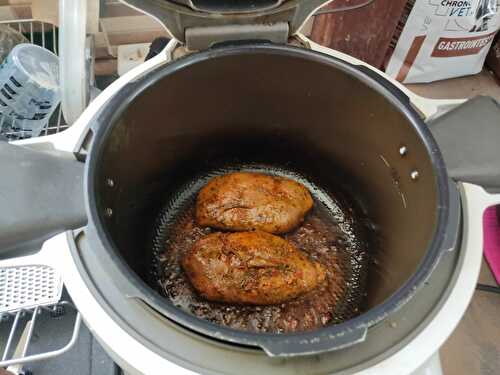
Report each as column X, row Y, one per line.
column 238, row 84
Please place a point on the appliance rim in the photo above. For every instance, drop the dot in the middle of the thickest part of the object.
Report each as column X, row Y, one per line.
column 103, row 123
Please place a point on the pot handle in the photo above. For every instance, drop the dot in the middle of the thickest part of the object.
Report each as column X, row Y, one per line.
column 41, row 194
column 468, row 137
column 324, row 342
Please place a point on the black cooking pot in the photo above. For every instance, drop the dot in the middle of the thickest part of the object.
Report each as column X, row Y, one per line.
column 341, row 124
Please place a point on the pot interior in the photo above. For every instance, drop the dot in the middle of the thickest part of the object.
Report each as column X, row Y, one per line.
column 312, row 115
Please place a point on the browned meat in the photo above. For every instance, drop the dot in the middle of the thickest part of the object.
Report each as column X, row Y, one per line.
column 254, row 268
column 247, row 201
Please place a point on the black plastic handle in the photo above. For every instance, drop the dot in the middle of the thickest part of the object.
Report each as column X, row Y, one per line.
column 41, row 194
column 469, row 139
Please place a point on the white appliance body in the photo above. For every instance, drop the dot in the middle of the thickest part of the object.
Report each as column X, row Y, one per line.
column 415, row 355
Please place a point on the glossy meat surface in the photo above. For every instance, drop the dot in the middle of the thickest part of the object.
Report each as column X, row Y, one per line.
column 255, row 268
column 245, row 201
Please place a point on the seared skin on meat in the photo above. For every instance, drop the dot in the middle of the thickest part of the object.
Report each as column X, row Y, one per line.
column 255, row 268
column 252, row 201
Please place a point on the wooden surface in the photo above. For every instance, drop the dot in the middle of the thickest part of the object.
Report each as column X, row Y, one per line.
column 474, row 347
column 364, row 33
column 14, row 11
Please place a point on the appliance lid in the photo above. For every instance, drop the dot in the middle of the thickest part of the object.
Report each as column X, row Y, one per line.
column 230, row 6
column 202, row 23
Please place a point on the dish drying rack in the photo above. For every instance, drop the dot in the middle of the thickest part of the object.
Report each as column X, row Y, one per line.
column 30, row 294
column 15, row 356
column 75, row 49
column 35, row 31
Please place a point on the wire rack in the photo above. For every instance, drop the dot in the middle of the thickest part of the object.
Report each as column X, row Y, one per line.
column 16, row 350
column 31, row 292
column 36, row 32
